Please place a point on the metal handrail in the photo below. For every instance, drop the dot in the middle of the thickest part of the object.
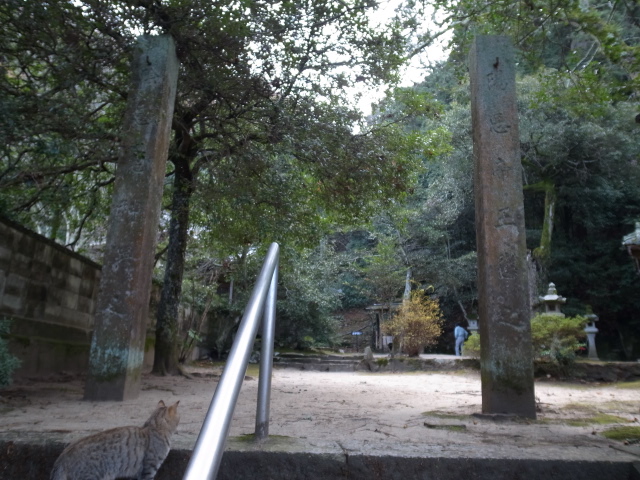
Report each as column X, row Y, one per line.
column 207, row 453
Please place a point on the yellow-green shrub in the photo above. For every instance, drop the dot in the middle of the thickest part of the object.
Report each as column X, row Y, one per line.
column 417, row 324
column 556, row 338
column 471, row 347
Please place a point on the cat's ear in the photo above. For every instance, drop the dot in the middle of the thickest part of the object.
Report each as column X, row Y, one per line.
column 161, row 404
column 174, row 407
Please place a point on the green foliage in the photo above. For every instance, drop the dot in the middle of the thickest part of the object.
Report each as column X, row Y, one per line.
column 355, row 293
column 417, row 324
column 384, row 271
column 591, row 47
column 556, row 338
column 262, row 103
column 262, row 108
column 471, row 347
column 590, row 162
column 8, row 363
column 57, row 121
column 439, row 234
column 309, row 294
column 189, row 342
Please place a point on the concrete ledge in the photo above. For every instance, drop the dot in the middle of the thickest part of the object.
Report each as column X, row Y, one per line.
column 34, row 460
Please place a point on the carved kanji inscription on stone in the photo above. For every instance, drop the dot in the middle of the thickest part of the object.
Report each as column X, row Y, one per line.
column 506, row 217
column 502, row 168
column 499, row 123
column 507, row 266
column 496, row 79
column 503, row 292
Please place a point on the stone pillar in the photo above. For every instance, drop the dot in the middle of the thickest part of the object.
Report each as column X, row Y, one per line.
column 591, row 331
column 503, row 291
column 122, row 307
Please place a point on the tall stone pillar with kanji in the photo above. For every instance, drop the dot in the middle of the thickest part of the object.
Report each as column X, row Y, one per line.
column 122, row 308
column 503, row 294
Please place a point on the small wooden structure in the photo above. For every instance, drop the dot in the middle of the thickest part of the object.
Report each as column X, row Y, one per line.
column 381, row 341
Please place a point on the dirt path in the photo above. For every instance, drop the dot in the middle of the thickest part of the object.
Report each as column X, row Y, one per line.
column 322, row 407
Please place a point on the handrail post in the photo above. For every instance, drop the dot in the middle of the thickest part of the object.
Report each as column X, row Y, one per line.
column 266, row 360
column 207, row 453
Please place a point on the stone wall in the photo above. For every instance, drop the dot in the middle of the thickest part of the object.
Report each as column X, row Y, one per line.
column 49, row 292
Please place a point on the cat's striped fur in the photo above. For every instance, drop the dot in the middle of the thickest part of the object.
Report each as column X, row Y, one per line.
column 132, row 452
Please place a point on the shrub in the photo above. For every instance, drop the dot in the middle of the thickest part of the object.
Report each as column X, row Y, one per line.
column 8, row 363
column 417, row 324
column 557, row 338
column 471, row 347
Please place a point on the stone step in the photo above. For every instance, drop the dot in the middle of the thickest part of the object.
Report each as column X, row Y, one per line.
column 317, row 360
column 324, row 366
column 300, row 356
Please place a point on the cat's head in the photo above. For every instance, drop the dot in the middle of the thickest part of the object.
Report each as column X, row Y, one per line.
column 165, row 417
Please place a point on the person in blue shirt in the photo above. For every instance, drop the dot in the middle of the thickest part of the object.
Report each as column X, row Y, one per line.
column 461, row 335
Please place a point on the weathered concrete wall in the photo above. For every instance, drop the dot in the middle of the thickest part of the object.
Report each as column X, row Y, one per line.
column 42, row 280
column 34, row 461
column 50, row 293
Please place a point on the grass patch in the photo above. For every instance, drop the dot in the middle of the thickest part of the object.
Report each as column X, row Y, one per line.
column 573, row 386
column 251, row 438
column 246, row 438
column 627, row 406
column 451, row 428
column 592, row 416
column 600, row 419
column 448, row 416
column 623, row 433
column 253, row 369
column 630, row 385
column 581, row 407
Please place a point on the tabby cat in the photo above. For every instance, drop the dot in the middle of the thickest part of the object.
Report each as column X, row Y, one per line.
column 130, row 452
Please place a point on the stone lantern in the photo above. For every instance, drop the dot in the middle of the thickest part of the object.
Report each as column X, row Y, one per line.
column 591, row 331
column 473, row 325
column 552, row 301
column 632, row 242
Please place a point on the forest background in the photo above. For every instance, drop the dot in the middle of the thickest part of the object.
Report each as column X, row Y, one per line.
column 269, row 144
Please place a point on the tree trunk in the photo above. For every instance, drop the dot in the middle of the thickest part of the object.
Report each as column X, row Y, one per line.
column 541, row 256
column 167, row 326
column 543, row 253
column 407, row 286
